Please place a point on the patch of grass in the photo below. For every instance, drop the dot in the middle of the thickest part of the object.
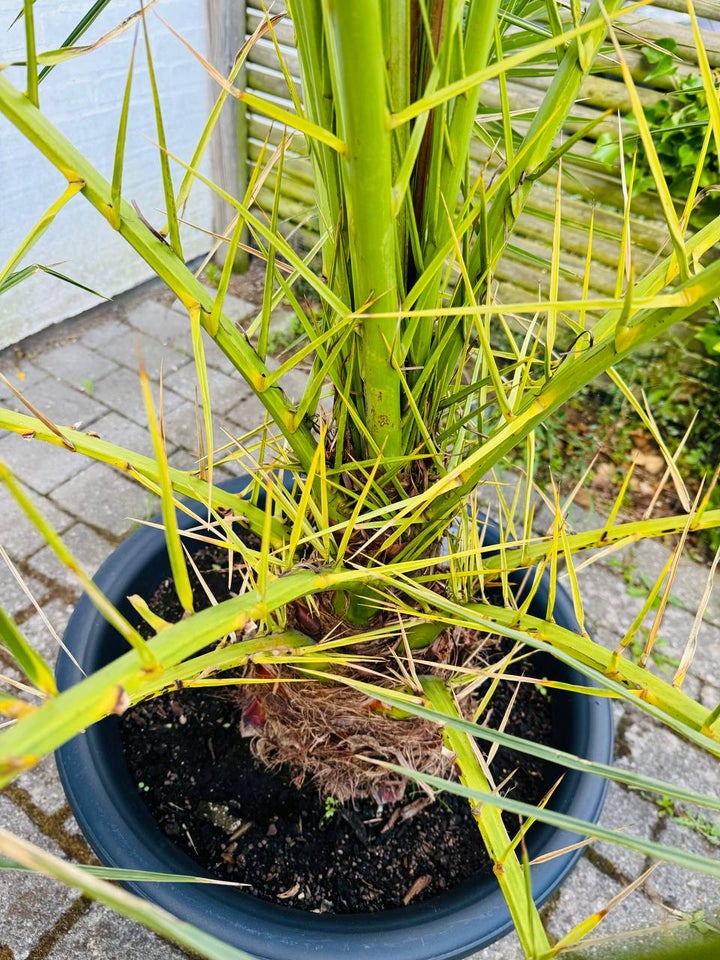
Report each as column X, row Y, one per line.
column 287, row 336
column 679, row 379
column 678, row 123
column 663, row 661
column 640, row 583
column 212, row 274
column 696, row 822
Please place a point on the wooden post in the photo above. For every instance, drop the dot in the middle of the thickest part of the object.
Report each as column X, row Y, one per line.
column 226, row 21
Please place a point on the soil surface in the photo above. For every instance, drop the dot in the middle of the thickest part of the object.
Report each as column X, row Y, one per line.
column 241, row 822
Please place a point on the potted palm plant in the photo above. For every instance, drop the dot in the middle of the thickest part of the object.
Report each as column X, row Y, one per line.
column 367, row 567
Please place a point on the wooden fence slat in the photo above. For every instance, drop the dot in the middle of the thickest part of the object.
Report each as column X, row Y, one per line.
column 228, row 145
column 277, row 7
column 298, row 168
column 703, row 8
column 647, row 28
column 267, row 82
column 264, row 54
column 525, row 268
column 284, row 30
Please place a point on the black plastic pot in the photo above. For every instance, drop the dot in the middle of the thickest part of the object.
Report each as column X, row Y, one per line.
column 119, row 828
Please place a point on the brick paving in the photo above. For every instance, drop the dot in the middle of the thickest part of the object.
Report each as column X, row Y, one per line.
column 85, row 371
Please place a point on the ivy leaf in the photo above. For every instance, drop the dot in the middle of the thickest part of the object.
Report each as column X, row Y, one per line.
column 687, row 155
column 709, row 336
column 642, row 183
column 607, row 150
column 663, row 60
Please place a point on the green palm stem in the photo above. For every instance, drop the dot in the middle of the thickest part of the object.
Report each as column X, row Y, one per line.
column 318, row 102
column 158, row 255
column 634, row 531
column 626, row 679
column 653, row 694
column 311, row 46
column 355, row 41
column 560, row 98
column 448, row 158
column 97, row 696
column 577, row 370
column 398, row 26
column 100, row 694
column 512, row 877
column 135, row 465
column 31, row 67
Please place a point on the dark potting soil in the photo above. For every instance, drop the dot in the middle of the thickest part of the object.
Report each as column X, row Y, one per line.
column 240, row 822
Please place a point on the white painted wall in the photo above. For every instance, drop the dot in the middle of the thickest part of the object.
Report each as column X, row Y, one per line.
column 83, row 97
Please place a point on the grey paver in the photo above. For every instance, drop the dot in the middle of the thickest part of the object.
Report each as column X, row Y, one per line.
column 588, row 890
column 103, row 935
column 14, row 598
column 684, row 889
column 225, row 391
column 116, row 428
column 216, row 360
column 42, row 785
column 249, row 414
column 658, row 752
column 64, row 405
column 106, row 500
column 181, row 431
column 32, row 625
column 677, row 626
column 710, row 695
column 22, row 372
column 238, row 309
column 627, row 811
column 89, row 547
column 39, row 465
column 689, row 582
column 156, row 355
column 121, row 392
column 184, row 459
column 103, row 330
column 293, row 382
column 43, row 637
column 507, row 948
column 168, row 324
column 609, row 608
column 29, row 904
column 17, row 535
column 76, row 364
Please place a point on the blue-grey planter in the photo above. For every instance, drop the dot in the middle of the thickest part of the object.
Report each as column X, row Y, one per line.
column 119, row 828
